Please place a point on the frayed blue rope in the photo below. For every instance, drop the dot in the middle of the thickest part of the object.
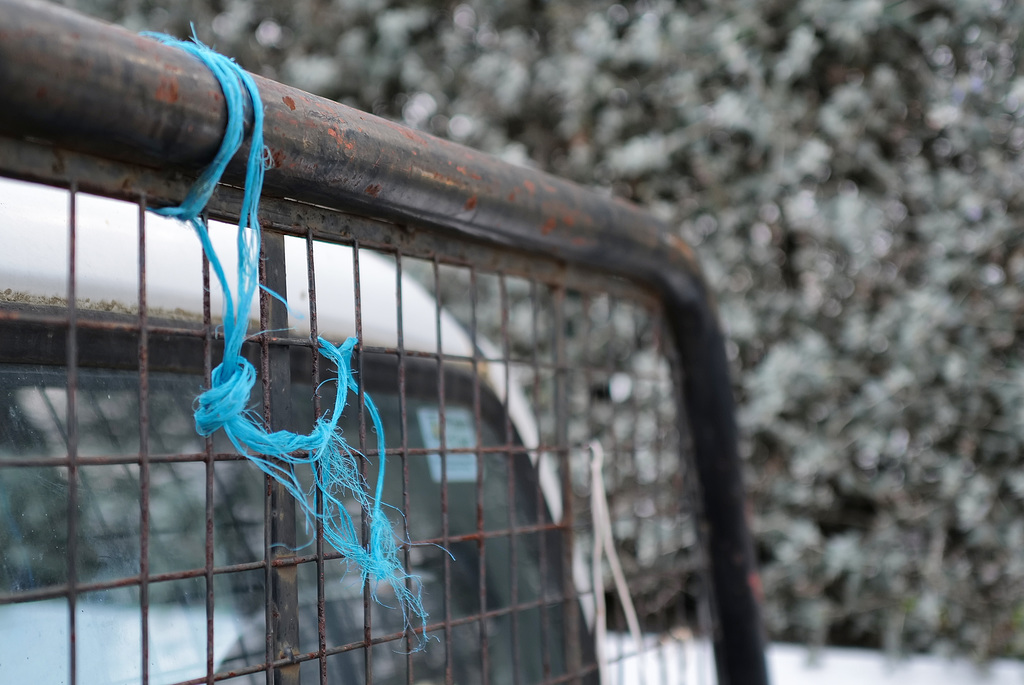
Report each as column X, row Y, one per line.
column 225, row 405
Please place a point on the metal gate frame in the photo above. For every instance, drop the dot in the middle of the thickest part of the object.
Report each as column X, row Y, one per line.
column 85, row 86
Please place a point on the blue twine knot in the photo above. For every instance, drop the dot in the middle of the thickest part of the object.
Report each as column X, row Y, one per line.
column 224, row 406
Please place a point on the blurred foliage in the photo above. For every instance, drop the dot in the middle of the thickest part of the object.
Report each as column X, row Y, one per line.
column 850, row 170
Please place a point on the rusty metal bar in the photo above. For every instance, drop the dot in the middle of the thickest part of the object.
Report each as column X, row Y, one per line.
column 128, row 98
column 367, row 589
column 321, row 590
column 511, row 455
column 574, row 648
column 36, row 161
column 485, row 664
column 276, row 375
column 539, row 509
column 143, row 449
column 442, row 450
column 209, row 461
column 72, row 441
column 403, row 412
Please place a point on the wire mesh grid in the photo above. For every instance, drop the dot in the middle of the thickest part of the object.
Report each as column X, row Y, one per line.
column 137, row 552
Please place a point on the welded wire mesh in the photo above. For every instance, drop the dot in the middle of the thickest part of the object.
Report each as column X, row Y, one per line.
column 136, row 551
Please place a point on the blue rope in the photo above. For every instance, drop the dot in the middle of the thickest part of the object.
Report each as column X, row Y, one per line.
column 225, row 405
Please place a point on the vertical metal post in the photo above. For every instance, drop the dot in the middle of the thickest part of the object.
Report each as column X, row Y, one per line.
column 706, row 395
column 361, row 404
column 481, row 542
column 321, row 590
column 282, row 580
column 404, row 427
column 210, row 467
column 143, row 445
column 72, row 436
column 511, row 455
column 573, row 652
column 443, row 451
column 542, row 455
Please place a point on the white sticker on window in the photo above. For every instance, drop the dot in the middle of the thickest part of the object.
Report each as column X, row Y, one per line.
column 459, row 434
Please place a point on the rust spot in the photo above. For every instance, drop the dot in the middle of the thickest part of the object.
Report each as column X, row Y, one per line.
column 580, row 241
column 530, row 187
column 462, row 170
column 549, row 225
column 681, row 246
column 40, row 93
column 568, row 219
column 470, row 203
column 512, row 196
column 278, row 157
column 167, row 91
column 413, row 136
column 548, row 187
column 339, row 140
column 288, row 101
column 447, row 180
column 373, row 190
column 754, row 581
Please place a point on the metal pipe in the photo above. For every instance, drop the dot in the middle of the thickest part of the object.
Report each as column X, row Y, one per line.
column 87, row 86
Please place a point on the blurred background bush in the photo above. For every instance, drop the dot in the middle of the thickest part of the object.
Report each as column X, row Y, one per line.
column 850, row 170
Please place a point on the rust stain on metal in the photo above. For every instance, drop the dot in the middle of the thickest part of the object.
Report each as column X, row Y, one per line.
column 278, row 157
column 462, row 170
column 167, row 91
column 530, row 187
column 580, row 241
column 470, row 203
column 512, row 196
column 569, row 219
column 681, row 245
column 412, row 136
column 373, row 190
column 446, row 180
column 288, row 101
column 754, row 581
column 549, row 225
column 349, row 145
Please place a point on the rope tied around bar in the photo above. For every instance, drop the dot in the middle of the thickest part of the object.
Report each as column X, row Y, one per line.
column 225, row 405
